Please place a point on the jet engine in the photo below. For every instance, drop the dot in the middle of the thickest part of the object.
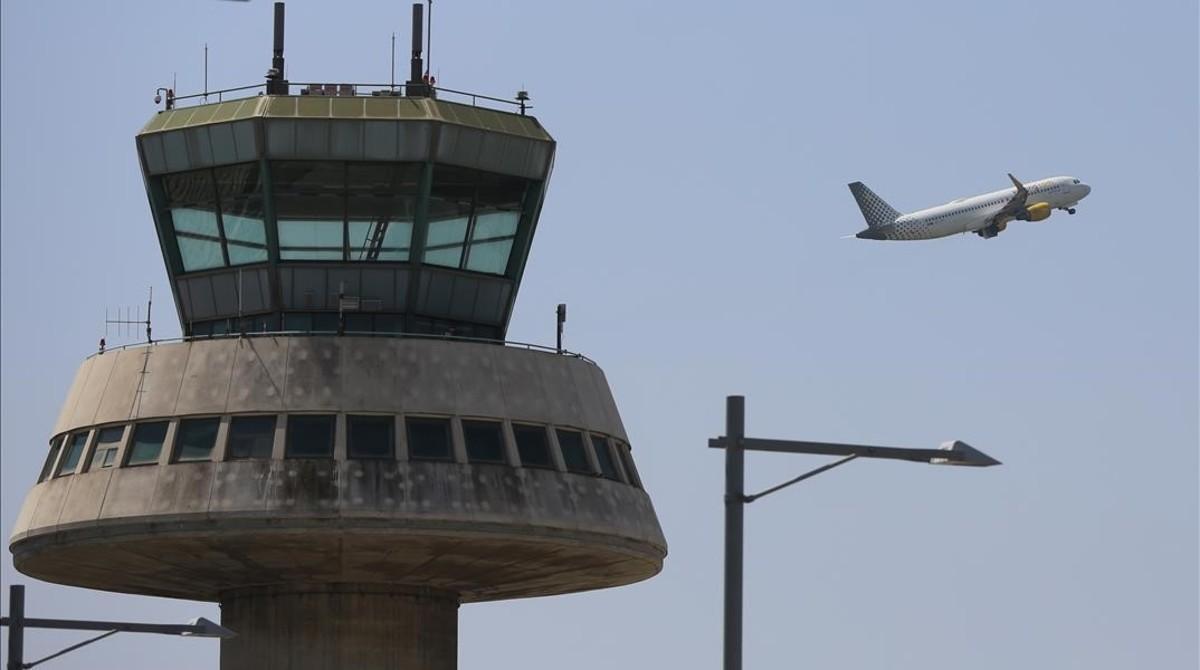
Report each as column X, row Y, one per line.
column 1039, row 211
column 988, row 232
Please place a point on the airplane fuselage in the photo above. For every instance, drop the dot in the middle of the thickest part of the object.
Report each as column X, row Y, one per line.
column 982, row 213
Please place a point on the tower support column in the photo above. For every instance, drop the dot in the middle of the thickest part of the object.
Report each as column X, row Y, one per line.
column 361, row 626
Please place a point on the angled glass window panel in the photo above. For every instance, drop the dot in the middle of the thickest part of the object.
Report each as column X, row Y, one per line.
column 485, row 441
column 310, row 436
column 574, row 454
column 191, row 198
column 495, row 225
column 48, row 466
column 108, row 440
column 325, row 322
column 242, row 213
column 70, row 459
column 245, row 239
column 309, row 209
column 195, row 439
column 429, row 439
column 293, row 322
column 380, row 140
column 444, row 242
column 381, row 206
column 223, row 147
column 380, row 240
column 627, row 460
column 198, row 237
column 389, row 323
column 147, row 443
column 451, row 200
column 608, row 468
column 532, row 446
column 316, row 240
column 251, row 437
column 490, row 257
column 370, row 436
column 358, row 323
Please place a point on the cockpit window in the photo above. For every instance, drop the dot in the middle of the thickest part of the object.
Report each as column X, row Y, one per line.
column 1074, row 181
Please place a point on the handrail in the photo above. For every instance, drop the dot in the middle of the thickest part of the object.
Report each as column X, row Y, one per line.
column 528, row 346
column 519, row 103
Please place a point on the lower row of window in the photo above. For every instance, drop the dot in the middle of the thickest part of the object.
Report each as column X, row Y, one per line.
column 368, row 436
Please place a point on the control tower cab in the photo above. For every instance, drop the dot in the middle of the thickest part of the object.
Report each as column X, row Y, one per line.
column 342, row 448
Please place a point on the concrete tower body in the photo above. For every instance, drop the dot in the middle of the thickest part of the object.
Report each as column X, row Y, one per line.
column 342, row 449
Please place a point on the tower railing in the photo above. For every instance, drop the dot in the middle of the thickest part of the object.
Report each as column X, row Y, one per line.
column 359, row 90
column 528, row 346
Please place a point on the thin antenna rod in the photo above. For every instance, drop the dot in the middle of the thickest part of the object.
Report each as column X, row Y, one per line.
column 393, row 84
column 149, row 304
column 429, row 39
column 206, row 72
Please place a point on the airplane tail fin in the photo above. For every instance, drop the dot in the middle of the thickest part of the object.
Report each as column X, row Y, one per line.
column 874, row 209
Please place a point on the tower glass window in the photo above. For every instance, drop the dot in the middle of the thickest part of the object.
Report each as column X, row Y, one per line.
column 381, row 206
column 627, row 460
column 70, row 459
column 473, row 218
column 485, row 441
column 147, row 443
column 608, row 467
column 370, row 436
column 310, row 436
column 574, row 454
column 532, row 446
column 240, row 195
column 251, row 437
column 196, row 439
column 309, row 209
column 48, row 466
column 429, row 439
column 108, row 440
column 192, row 201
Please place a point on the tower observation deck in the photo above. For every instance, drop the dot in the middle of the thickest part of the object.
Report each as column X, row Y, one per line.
column 342, row 448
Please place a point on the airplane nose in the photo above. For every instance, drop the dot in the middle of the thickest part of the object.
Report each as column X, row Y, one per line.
column 1086, row 190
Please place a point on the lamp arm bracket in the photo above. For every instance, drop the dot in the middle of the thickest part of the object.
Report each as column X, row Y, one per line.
column 71, row 648
column 811, row 473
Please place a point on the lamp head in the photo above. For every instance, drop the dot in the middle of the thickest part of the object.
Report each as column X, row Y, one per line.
column 206, row 628
column 961, row 453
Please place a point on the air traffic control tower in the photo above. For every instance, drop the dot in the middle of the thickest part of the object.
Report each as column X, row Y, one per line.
column 342, row 449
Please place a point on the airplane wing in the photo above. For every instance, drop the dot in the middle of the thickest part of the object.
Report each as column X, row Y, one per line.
column 1017, row 204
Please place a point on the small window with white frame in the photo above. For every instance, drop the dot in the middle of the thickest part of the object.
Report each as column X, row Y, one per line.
column 108, row 443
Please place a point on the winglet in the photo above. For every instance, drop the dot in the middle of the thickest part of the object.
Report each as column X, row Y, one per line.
column 1017, row 183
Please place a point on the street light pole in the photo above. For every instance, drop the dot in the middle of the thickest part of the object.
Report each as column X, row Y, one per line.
column 16, row 627
column 735, row 471
column 17, row 623
column 735, row 443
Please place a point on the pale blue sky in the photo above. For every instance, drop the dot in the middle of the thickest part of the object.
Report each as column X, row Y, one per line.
column 693, row 225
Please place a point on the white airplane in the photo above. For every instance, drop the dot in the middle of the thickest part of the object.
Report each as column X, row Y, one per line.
column 985, row 215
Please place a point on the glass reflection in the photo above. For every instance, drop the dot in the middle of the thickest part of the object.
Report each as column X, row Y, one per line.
column 240, row 196
column 192, row 201
column 473, row 219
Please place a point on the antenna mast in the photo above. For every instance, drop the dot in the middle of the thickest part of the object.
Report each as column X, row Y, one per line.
column 417, row 85
column 276, row 83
